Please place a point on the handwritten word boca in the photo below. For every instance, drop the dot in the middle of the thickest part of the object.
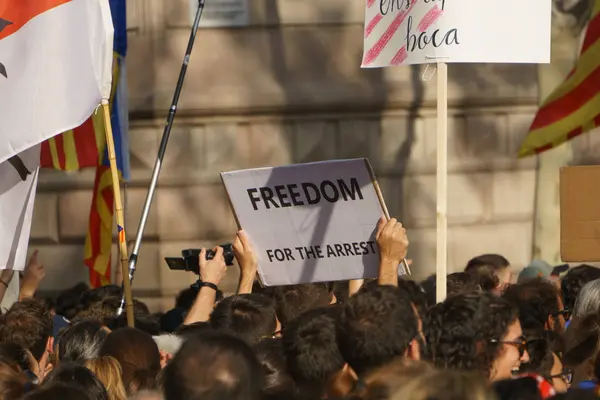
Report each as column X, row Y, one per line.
column 422, row 40
column 307, row 193
column 328, row 251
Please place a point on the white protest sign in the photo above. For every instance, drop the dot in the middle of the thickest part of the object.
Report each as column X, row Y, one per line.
column 309, row 222
column 404, row 32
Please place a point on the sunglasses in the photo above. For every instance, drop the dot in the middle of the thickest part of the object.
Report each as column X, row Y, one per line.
column 565, row 313
column 520, row 344
column 566, row 375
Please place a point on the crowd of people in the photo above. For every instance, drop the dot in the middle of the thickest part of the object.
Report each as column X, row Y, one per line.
column 494, row 337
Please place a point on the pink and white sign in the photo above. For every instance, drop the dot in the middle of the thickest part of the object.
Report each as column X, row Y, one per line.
column 405, row 32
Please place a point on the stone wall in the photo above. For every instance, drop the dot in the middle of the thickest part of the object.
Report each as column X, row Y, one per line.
column 288, row 88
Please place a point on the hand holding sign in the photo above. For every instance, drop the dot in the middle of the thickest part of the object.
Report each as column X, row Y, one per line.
column 393, row 247
column 247, row 260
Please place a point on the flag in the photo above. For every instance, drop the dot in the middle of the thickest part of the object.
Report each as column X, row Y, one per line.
column 55, row 68
column 16, row 208
column 574, row 107
column 98, row 242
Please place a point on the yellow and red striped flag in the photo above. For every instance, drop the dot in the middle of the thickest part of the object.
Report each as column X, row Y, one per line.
column 574, row 107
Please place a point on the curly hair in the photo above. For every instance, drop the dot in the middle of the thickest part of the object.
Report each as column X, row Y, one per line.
column 459, row 332
column 536, row 299
column 575, row 280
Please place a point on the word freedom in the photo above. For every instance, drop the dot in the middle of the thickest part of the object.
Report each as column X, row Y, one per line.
column 301, row 194
column 327, row 251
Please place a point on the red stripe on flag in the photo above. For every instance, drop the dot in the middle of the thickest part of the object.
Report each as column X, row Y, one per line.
column 85, row 143
column 378, row 47
column 429, row 18
column 370, row 3
column 543, row 148
column 569, row 103
column 592, row 34
column 400, row 56
column 574, row 133
column 60, row 151
column 372, row 24
column 46, row 155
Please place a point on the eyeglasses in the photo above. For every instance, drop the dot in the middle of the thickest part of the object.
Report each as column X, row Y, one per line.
column 520, row 344
column 564, row 312
column 566, row 375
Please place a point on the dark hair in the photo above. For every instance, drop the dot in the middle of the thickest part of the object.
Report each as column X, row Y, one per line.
column 416, row 295
column 79, row 377
column 191, row 330
column 572, row 283
column 459, row 331
column 522, row 389
column 271, row 357
column 213, row 366
column 376, row 325
column 12, row 382
column 81, row 341
column 541, row 358
column 291, row 301
column 249, row 317
column 536, row 300
column 143, row 321
column 58, row 391
column 138, row 355
column 485, row 277
column 13, row 354
column 98, row 294
column 456, row 283
column 68, row 302
column 28, row 324
column 311, row 349
column 495, row 261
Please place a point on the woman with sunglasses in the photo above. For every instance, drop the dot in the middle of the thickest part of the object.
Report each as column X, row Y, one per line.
column 477, row 332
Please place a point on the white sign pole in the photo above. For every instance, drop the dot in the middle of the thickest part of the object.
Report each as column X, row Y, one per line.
column 442, row 181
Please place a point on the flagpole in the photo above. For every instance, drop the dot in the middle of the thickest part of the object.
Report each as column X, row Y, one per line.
column 112, row 158
column 158, row 164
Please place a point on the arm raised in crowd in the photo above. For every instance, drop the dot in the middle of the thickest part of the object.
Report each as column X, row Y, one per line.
column 32, row 277
column 393, row 247
column 247, row 260
column 211, row 274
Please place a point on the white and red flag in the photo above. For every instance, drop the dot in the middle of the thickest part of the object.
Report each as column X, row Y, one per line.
column 55, row 68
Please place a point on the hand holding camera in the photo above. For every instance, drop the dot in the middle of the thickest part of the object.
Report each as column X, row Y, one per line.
column 212, row 270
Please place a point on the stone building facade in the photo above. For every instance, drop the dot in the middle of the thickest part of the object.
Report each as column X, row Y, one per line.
column 287, row 88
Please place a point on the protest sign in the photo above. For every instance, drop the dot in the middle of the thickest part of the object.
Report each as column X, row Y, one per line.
column 309, row 222
column 404, row 32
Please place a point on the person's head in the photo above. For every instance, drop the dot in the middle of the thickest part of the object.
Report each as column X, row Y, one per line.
column 138, row 355
column 588, row 300
column 79, row 377
column 13, row 383
column 311, row 350
column 544, row 361
column 29, row 324
column 416, row 294
column 108, row 371
column 277, row 380
column 574, row 281
column 581, row 344
column 68, row 302
column 382, row 383
column 540, row 305
column 95, row 295
column 524, row 388
column 250, row 317
column 213, row 366
column 291, row 301
column 15, row 355
column 477, row 332
column 458, row 283
column 445, row 385
column 60, row 391
column 375, row 326
column 188, row 331
column 80, row 341
column 494, row 263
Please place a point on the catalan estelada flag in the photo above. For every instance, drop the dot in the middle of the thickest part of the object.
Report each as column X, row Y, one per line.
column 98, row 242
column 574, row 107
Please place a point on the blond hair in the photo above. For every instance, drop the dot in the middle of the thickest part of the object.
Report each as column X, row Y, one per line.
column 108, row 370
column 445, row 385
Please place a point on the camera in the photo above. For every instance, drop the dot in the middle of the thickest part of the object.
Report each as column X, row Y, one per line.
column 190, row 259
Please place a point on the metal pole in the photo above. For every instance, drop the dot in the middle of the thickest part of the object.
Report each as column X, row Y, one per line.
column 161, row 151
